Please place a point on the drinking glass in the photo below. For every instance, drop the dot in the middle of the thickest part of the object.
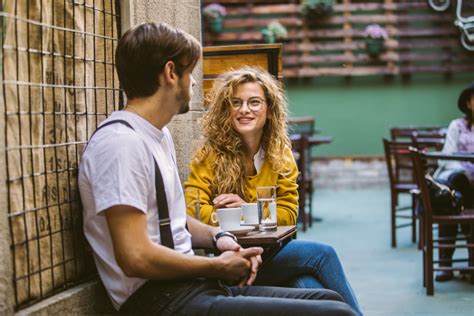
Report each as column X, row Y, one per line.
column 267, row 214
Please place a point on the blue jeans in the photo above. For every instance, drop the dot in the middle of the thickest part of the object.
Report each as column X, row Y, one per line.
column 211, row 297
column 308, row 264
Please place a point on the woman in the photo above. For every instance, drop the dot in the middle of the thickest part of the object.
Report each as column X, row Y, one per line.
column 458, row 175
column 246, row 145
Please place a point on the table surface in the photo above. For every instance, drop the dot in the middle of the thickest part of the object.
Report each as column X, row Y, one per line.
column 464, row 156
column 256, row 238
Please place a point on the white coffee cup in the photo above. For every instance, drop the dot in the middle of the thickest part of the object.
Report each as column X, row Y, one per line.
column 228, row 218
column 250, row 213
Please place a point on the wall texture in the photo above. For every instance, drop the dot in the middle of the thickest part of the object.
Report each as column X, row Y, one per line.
column 360, row 112
column 90, row 297
column 184, row 14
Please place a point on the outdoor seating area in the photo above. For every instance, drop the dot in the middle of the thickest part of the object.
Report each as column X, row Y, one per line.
column 254, row 157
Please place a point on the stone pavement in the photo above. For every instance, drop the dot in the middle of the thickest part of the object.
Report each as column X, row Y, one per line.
column 387, row 281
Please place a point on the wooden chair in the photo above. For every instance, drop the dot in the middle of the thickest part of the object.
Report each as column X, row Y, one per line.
column 305, row 181
column 400, row 174
column 302, row 133
column 430, row 221
column 398, row 133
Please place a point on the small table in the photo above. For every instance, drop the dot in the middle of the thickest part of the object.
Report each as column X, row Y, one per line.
column 272, row 241
column 277, row 237
column 463, row 156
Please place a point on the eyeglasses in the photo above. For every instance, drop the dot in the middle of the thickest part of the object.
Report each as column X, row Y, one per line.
column 254, row 104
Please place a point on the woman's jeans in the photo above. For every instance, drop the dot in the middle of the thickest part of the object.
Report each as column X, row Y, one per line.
column 458, row 181
column 308, row 264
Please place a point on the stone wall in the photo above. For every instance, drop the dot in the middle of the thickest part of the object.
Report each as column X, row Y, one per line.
column 350, row 173
column 90, row 297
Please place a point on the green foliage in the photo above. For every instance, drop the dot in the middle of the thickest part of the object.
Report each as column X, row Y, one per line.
column 274, row 31
column 317, row 8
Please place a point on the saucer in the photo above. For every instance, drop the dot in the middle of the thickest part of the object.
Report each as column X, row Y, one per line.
column 242, row 223
column 242, row 230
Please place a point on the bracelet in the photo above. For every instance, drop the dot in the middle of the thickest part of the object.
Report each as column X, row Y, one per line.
column 222, row 234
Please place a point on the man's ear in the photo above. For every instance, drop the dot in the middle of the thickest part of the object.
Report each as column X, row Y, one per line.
column 169, row 75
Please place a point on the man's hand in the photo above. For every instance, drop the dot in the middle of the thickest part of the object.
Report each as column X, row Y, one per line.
column 228, row 200
column 235, row 266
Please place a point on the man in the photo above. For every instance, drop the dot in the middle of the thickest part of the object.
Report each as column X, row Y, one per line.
column 134, row 212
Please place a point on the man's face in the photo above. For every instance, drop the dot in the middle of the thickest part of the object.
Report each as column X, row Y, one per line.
column 185, row 91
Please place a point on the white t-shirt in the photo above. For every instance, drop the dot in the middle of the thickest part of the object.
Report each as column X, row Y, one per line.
column 118, row 169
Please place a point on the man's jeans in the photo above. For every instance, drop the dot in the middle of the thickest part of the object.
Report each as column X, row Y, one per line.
column 210, row 297
column 308, row 264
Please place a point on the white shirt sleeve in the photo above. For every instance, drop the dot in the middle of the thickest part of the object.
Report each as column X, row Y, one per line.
column 450, row 146
column 118, row 169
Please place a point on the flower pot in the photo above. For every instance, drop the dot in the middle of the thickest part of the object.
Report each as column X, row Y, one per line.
column 374, row 46
column 268, row 38
column 215, row 24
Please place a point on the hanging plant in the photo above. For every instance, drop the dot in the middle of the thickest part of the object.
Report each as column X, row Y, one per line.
column 214, row 17
column 314, row 10
column 274, row 31
column 375, row 37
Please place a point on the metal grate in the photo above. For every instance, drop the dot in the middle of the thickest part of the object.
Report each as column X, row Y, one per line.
column 59, row 84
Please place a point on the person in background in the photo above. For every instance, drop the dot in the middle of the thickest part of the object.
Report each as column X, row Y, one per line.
column 458, row 175
column 245, row 145
column 134, row 211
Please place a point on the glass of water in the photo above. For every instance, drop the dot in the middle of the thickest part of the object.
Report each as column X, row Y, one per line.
column 267, row 214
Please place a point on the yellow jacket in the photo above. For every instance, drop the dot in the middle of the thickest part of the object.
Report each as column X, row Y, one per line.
column 287, row 191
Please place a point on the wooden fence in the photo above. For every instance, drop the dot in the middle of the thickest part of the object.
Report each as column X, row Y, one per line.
column 420, row 39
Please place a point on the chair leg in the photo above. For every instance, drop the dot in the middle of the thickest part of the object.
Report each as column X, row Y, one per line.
column 393, row 210
column 420, row 232
column 303, row 208
column 413, row 219
column 310, row 204
column 429, row 262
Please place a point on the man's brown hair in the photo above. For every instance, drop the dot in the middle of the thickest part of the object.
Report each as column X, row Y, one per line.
column 143, row 51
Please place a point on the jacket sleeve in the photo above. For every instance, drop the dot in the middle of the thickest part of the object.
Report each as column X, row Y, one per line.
column 287, row 192
column 450, row 146
column 199, row 183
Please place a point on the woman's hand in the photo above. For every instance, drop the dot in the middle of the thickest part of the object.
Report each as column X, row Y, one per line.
column 228, row 200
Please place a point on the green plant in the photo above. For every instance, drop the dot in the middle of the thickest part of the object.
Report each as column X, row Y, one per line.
column 375, row 37
column 274, row 31
column 316, row 9
column 214, row 15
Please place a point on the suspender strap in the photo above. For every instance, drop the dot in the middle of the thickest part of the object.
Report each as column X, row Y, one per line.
column 163, row 212
column 162, row 203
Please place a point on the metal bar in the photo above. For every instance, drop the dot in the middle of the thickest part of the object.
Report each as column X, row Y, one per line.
column 32, row 158
column 52, row 27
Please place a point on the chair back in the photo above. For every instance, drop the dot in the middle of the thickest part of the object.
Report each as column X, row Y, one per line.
column 420, row 168
column 399, row 162
column 301, row 125
column 397, row 133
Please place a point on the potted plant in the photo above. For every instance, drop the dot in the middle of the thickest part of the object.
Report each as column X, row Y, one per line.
column 375, row 37
column 314, row 10
column 214, row 16
column 274, row 31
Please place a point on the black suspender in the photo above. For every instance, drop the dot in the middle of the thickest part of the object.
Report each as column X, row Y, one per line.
column 163, row 211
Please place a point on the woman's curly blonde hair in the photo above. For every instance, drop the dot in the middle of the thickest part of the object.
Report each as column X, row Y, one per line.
column 224, row 145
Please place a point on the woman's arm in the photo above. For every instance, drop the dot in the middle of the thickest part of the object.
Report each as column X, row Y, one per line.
column 199, row 182
column 287, row 193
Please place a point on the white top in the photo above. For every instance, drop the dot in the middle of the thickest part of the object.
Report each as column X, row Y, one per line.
column 459, row 138
column 118, row 169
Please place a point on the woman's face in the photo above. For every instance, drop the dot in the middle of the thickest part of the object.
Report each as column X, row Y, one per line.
column 470, row 103
column 249, row 109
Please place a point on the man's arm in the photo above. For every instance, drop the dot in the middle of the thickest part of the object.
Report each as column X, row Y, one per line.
column 138, row 256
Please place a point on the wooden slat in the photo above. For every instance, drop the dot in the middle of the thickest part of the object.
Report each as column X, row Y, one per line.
column 420, row 39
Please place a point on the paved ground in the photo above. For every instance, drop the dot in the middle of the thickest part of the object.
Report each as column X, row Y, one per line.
column 387, row 281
